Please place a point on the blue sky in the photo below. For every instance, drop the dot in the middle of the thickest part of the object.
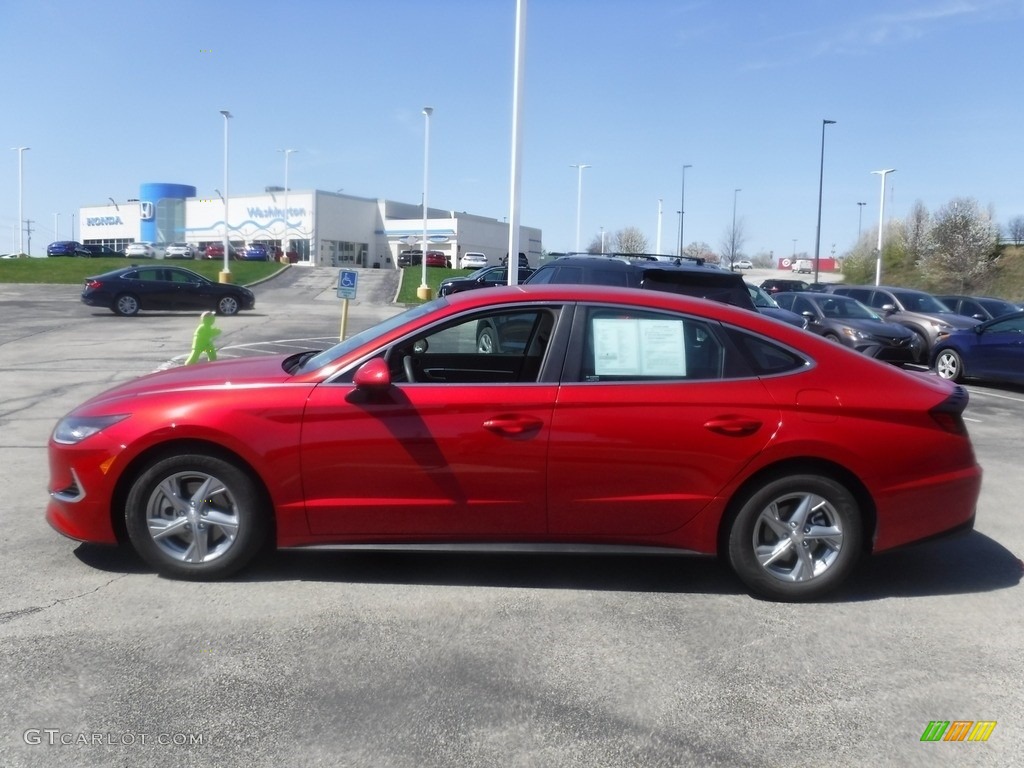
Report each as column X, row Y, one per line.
column 112, row 94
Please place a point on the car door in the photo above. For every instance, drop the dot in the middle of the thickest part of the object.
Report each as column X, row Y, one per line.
column 155, row 291
column 999, row 351
column 459, row 451
column 651, row 424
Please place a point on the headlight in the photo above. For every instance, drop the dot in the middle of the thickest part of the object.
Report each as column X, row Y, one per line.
column 856, row 335
column 74, row 429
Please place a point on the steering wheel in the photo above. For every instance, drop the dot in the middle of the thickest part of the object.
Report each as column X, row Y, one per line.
column 410, row 369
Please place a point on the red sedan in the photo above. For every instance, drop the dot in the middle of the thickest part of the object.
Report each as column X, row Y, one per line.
column 526, row 415
column 436, row 259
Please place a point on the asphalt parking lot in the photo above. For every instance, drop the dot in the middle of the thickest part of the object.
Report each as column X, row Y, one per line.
column 453, row 659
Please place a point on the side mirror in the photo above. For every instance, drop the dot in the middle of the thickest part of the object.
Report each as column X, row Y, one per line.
column 373, row 376
column 979, row 316
column 888, row 308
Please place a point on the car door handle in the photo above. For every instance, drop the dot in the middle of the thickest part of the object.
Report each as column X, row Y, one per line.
column 733, row 426
column 513, row 426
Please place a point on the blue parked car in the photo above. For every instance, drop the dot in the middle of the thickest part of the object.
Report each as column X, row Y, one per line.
column 67, row 248
column 993, row 351
column 257, row 252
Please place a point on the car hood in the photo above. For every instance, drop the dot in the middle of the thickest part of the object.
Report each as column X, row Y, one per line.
column 956, row 321
column 877, row 327
column 258, row 370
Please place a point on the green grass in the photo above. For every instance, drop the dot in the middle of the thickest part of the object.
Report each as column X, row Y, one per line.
column 68, row 270
column 413, row 276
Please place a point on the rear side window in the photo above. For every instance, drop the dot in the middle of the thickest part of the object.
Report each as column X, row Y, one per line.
column 764, row 357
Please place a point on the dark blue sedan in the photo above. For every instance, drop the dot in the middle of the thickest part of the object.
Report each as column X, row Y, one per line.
column 993, row 351
column 127, row 290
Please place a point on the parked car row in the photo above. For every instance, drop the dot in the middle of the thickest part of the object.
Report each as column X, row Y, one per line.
column 957, row 336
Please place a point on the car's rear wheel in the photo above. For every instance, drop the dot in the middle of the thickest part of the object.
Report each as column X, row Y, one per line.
column 949, row 365
column 228, row 305
column 126, row 305
column 196, row 517
column 796, row 537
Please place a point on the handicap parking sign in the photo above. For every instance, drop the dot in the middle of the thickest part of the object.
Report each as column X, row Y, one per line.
column 347, row 282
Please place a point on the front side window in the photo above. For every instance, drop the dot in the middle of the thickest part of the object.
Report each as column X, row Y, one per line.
column 486, row 348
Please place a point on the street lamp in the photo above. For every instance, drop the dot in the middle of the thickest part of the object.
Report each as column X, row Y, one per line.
column 21, row 214
column 579, row 199
column 881, row 215
column 423, row 292
column 860, row 218
column 821, row 179
column 732, row 258
column 682, row 212
column 284, row 239
column 225, row 275
column 657, row 245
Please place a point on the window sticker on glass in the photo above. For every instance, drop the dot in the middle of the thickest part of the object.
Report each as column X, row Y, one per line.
column 637, row 347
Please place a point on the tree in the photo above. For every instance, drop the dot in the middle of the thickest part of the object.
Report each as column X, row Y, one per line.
column 732, row 243
column 962, row 242
column 630, row 240
column 596, row 245
column 1015, row 230
column 701, row 250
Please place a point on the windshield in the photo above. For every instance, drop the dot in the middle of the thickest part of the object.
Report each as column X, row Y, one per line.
column 342, row 348
column 921, row 302
column 851, row 309
column 761, row 298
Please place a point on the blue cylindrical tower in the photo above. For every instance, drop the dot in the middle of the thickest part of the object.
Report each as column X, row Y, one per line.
column 162, row 208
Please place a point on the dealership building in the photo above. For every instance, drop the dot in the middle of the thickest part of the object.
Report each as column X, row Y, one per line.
column 319, row 228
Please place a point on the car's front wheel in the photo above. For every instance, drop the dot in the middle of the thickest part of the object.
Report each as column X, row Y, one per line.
column 796, row 537
column 228, row 305
column 126, row 305
column 949, row 365
column 195, row 516
column 487, row 341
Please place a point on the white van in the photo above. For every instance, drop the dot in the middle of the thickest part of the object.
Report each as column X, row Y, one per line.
column 805, row 266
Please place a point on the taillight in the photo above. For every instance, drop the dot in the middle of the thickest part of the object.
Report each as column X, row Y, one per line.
column 949, row 413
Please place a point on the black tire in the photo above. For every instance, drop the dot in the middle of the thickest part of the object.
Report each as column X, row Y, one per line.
column 796, row 537
column 832, row 337
column 126, row 305
column 949, row 365
column 227, row 305
column 922, row 348
column 195, row 517
column 487, row 341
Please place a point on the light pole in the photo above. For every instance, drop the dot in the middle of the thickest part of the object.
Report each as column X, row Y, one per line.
column 423, row 292
column 284, row 239
column 225, row 275
column 732, row 256
column 114, row 203
column 21, row 214
column 657, row 246
column 860, row 218
column 881, row 218
column 682, row 211
column 579, row 199
column 821, row 179
column 56, row 226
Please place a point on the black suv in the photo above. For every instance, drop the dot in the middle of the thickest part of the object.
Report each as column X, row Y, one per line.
column 779, row 285
column 702, row 282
